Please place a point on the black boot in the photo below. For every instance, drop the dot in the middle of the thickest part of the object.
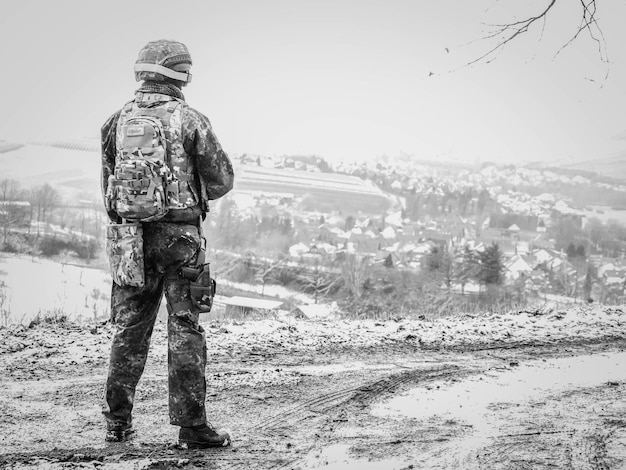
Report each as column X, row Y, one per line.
column 203, row 436
column 118, row 431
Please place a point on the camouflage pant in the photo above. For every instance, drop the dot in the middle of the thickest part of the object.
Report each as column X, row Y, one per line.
column 167, row 247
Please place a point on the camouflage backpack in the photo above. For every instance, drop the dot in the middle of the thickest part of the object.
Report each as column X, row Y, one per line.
column 152, row 171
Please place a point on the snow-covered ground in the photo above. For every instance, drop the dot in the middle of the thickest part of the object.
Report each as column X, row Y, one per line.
column 550, row 325
column 232, row 338
column 30, row 286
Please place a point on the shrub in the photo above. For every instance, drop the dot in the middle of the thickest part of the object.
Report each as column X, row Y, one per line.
column 86, row 249
column 17, row 243
column 10, row 247
column 53, row 317
column 51, row 245
column 243, row 270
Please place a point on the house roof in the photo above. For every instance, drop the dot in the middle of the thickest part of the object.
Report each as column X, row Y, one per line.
column 519, row 264
column 388, row 233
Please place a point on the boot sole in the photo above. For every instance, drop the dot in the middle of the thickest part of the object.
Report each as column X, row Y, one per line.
column 204, row 445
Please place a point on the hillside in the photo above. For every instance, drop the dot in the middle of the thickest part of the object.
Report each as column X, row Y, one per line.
column 73, row 168
column 329, row 190
column 74, row 173
column 608, row 169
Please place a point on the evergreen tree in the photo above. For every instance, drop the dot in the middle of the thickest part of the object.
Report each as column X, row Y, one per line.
column 434, row 259
column 574, row 251
column 469, row 267
column 491, row 266
column 350, row 223
column 571, row 251
column 439, row 264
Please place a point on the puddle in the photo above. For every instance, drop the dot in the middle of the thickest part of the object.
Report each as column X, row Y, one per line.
column 471, row 403
column 337, row 457
column 468, row 399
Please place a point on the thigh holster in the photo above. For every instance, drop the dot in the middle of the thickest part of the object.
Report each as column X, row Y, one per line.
column 201, row 285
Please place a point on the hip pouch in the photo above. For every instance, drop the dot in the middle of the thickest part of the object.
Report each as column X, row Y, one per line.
column 124, row 248
column 202, row 286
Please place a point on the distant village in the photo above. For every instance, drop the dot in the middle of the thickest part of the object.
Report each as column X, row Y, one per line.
column 465, row 209
column 550, row 225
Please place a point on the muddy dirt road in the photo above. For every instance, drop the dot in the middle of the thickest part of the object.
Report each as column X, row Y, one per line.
column 299, row 395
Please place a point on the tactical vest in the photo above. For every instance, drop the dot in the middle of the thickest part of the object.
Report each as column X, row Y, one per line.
column 154, row 178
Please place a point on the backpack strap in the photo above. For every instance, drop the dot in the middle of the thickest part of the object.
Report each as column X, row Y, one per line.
column 127, row 108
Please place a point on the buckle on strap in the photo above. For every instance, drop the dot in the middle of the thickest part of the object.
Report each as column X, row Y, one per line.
column 181, row 76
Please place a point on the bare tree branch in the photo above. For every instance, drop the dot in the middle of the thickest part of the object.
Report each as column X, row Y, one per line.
column 506, row 33
column 589, row 23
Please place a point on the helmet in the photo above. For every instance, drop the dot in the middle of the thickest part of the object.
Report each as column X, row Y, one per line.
column 163, row 58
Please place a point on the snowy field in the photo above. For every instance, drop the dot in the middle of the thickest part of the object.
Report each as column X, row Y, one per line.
column 31, row 286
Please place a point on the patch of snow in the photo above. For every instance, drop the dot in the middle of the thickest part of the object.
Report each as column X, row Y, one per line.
column 38, row 285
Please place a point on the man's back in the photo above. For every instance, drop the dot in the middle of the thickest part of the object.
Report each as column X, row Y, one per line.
column 161, row 165
column 194, row 152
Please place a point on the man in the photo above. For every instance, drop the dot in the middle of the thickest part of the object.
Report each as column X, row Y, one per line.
column 198, row 170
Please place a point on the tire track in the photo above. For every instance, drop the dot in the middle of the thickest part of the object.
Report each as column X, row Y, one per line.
column 363, row 394
column 598, row 441
column 280, row 424
column 570, row 448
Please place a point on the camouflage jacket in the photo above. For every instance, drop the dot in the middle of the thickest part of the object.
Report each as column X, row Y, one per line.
column 215, row 171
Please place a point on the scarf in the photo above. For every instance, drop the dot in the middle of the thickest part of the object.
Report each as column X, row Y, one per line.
column 161, row 87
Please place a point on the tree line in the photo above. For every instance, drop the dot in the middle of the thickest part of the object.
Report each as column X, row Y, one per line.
column 27, row 213
column 21, row 207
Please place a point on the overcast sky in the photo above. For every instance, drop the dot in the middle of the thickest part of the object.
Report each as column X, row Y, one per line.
column 344, row 79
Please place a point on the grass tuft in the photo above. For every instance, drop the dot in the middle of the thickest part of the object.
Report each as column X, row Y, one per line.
column 54, row 317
